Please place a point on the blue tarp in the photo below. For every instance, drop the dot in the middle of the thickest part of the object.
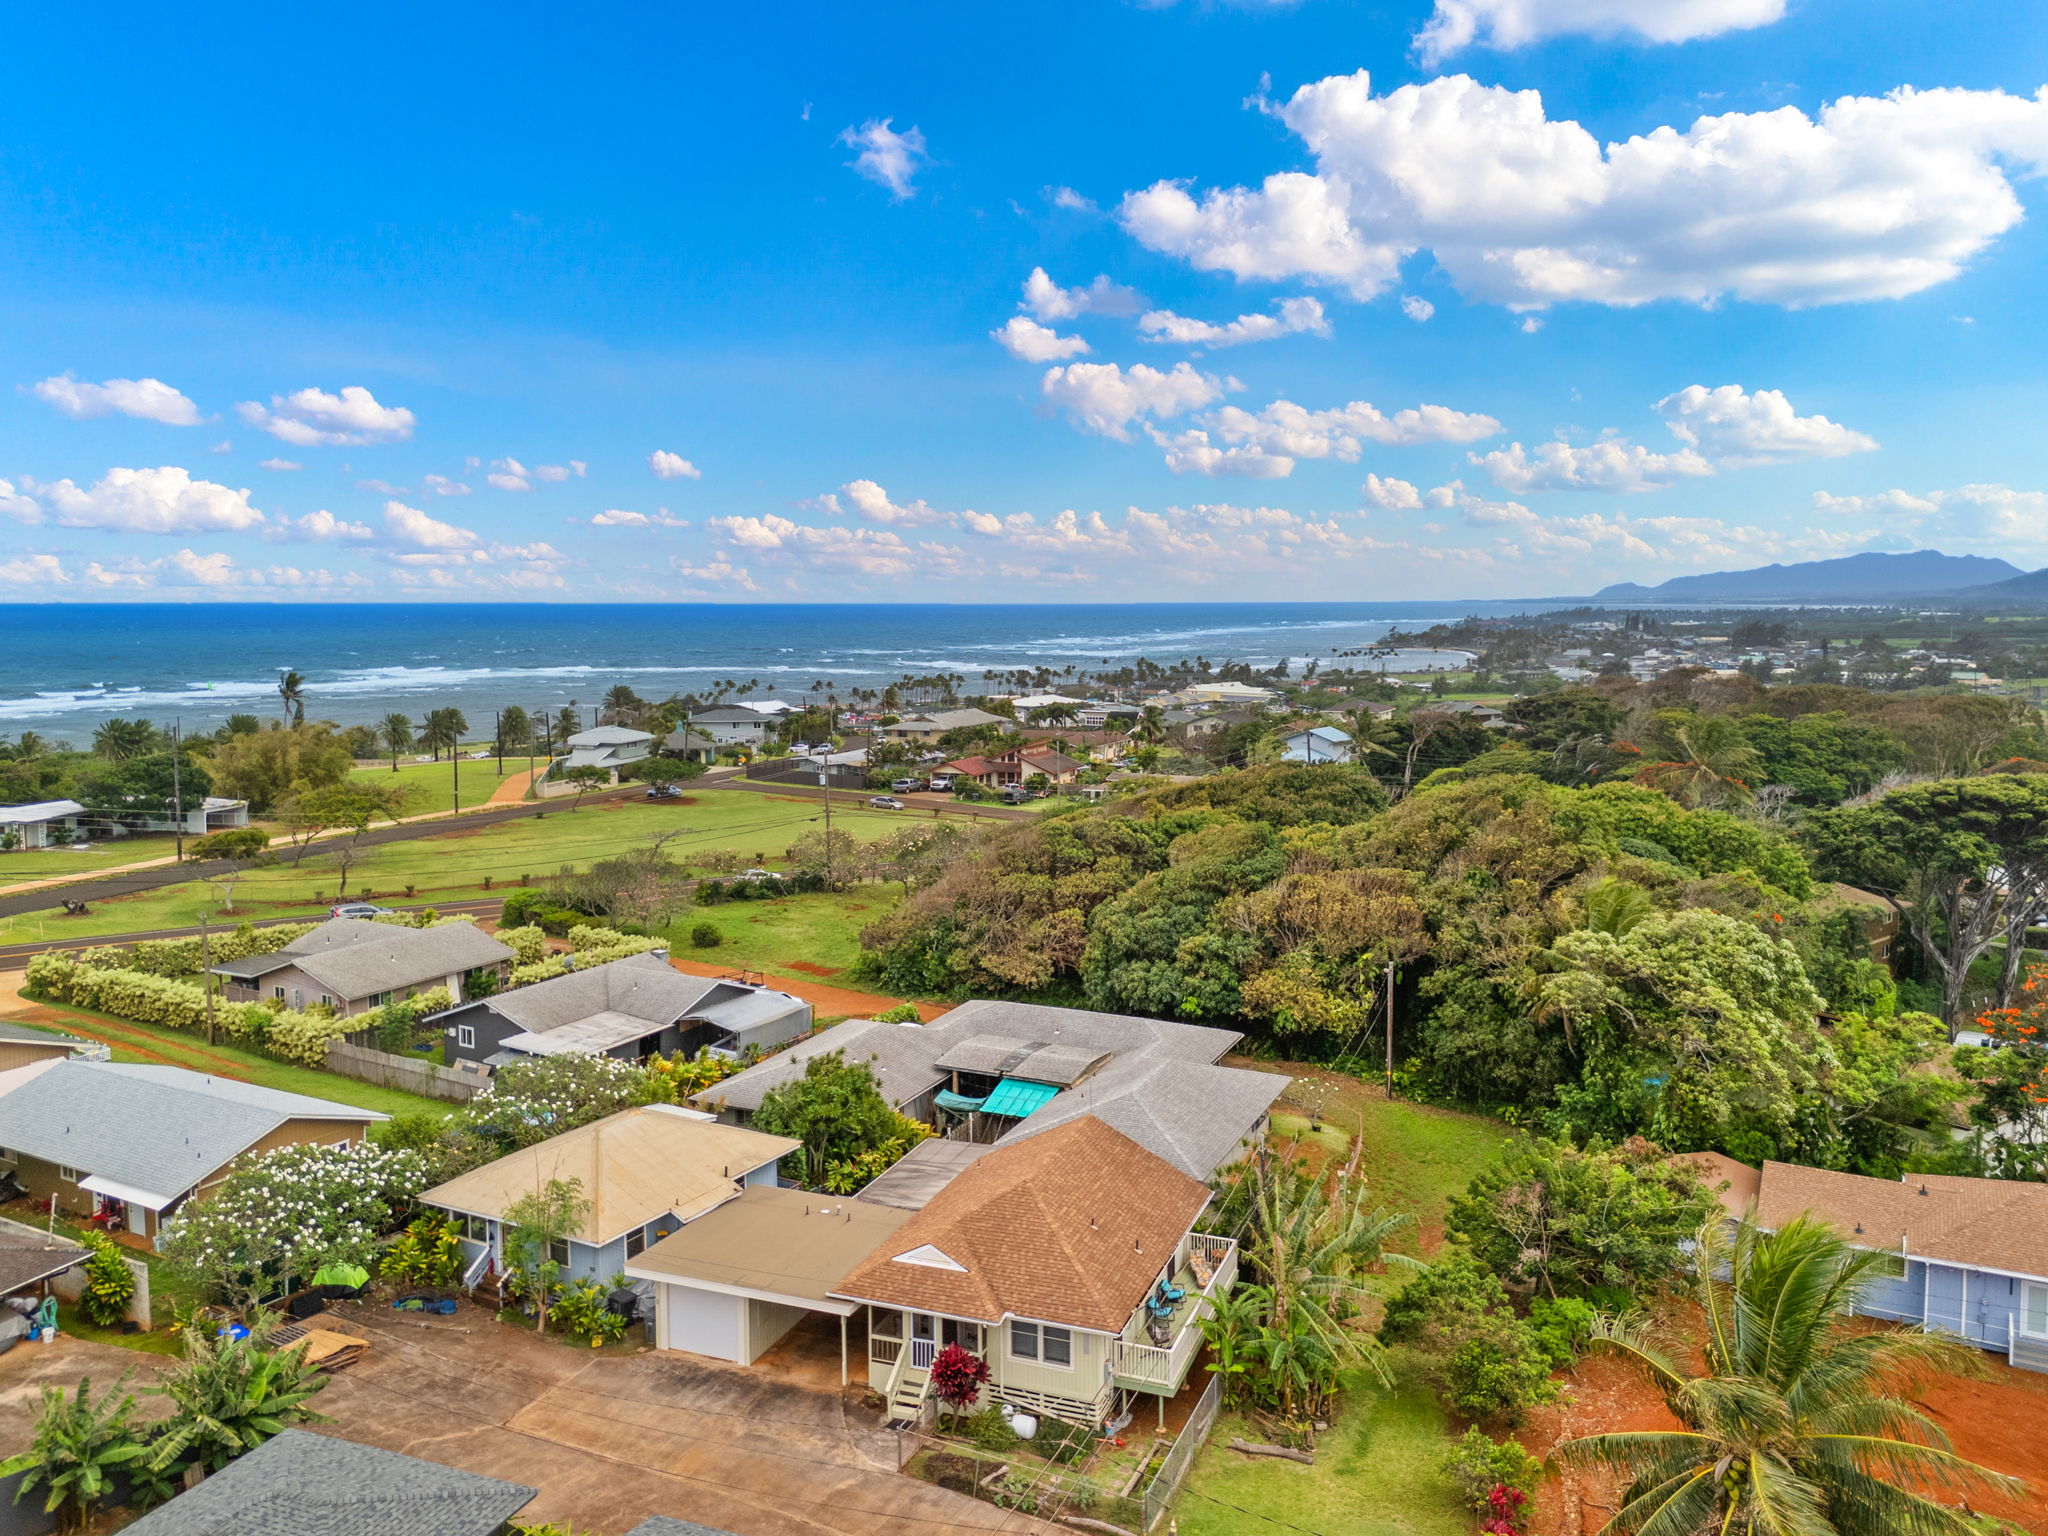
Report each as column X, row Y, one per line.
column 959, row 1103
column 1016, row 1098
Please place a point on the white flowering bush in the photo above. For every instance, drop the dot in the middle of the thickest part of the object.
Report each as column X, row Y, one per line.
column 592, row 945
column 279, row 1217
column 527, row 975
column 186, row 957
column 529, row 1101
column 303, row 1037
column 136, row 995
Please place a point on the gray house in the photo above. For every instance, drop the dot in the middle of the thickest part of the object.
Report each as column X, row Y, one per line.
column 1966, row 1256
column 609, row 747
column 354, row 966
column 633, row 1009
column 733, row 724
column 1000, row 1070
column 301, row 1484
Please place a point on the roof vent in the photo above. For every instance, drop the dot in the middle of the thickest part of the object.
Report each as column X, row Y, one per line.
column 1923, row 1189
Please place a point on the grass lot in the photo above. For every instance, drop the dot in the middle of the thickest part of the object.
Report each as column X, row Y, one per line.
column 169, row 1294
column 1376, row 1474
column 453, row 865
column 433, row 784
column 26, row 864
column 174, row 1047
column 817, row 936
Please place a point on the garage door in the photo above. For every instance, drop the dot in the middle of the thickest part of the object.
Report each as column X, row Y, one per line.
column 703, row 1322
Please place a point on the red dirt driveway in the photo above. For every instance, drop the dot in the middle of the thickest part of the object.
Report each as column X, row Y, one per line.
column 829, row 1001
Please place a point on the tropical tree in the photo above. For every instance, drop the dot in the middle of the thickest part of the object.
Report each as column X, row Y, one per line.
column 77, row 1442
column 1707, row 761
column 1150, row 727
column 1800, row 1424
column 265, row 766
column 834, row 1109
column 291, row 691
column 28, row 746
column 231, row 1394
column 238, row 725
column 443, row 729
column 515, row 728
column 535, row 1225
column 622, row 705
column 567, row 721
column 119, row 741
column 395, row 730
column 584, row 778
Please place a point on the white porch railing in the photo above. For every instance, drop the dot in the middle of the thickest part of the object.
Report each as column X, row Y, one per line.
column 922, row 1353
column 1164, row 1366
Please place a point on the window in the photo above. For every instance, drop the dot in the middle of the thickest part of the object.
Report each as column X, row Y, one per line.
column 342, row 1145
column 558, row 1250
column 68, row 1174
column 1042, row 1342
column 326, row 1001
column 476, row 1229
column 636, row 1242
column 277, row 992
column 885, row 1322
column 465, row 1036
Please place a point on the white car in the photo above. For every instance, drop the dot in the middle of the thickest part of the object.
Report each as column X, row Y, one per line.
column 884, row 803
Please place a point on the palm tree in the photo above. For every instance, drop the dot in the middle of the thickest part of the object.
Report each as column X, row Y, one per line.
column 120, row 741
column 238, row 725
column 443, row 728
column 28, row 746
column 1151, row 725
column 1615, row 906
column 1798, row 1426
column 291, row 688
column 622, row 705
column 1709, row 763
column 395, row 730
column 567, row 721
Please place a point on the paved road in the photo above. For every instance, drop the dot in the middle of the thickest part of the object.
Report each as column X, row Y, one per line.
column 918, row 806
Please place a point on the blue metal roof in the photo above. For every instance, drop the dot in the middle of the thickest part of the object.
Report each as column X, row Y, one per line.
column 1016, row 1098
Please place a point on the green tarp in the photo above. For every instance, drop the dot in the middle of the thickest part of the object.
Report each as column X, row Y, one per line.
column 351, row 1275
column 1016, row 1098
column 959, row 1103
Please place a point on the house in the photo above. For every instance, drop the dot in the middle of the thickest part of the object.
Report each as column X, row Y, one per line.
column 931, row 726
column 1002, row 769
column 301, row 1484
column 353, row 966
column 1318, row 744
column 1966, row 1256
column 1192, row 725
column 691, row 745
column 1466, row 710
column 133, row 1143
column 1103, row 716
column 1030, row 701
column 632, row 1008
column 1226, row 693
column 610, row 747
column 20, row 1045
column 997, row 1070
column 216, row 813
column 43, row 824
column 645, row 1173
column 1069, row 1262
column 733, row 724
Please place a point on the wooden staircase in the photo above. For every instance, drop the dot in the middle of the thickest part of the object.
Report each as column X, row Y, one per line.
column 909, row 1387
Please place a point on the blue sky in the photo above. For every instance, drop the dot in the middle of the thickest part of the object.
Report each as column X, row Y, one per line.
column 1436, row 298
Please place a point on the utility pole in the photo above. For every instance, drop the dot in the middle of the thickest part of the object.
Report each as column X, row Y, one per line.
column 206, row 975
column 825, row 788
column 1390, row 1030
column 455, row 763
column 501, row 743
column 177, row 786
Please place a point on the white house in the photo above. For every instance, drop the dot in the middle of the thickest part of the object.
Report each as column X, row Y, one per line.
column 1318, row 744
column 733, row 724
column 609, row 747
column 31, row 825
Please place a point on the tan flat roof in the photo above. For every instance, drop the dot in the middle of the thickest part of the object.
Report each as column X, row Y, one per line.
column 776, row 1242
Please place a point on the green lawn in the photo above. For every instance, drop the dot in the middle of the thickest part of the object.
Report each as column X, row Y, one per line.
column 433, row 784
column 453, row 865
column 821, row 931
column 1376, row 1474
column 25, row 864
column 1418, row 1157
column 170, row 1293
column 175, row 1047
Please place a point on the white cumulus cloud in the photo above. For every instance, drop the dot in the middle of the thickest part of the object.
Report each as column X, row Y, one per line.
column 320, row 527
column 1607, row 465
column 441, row 485
column 672, row 466
column 618, row 517
column 887, row 157
column 311, row 418
column 33, row 570
column 1875, row 197
column 1458, row 24
column 409, row 525
column 1105, row 398
column 283, row 466
column 1416, row 309
column 149, row 399
column 1737, row 429
column 1022, row 337
column 1995, row 519
column 1049, row 301
column 1391, row 495
column 1295, row 316
column 164, row 500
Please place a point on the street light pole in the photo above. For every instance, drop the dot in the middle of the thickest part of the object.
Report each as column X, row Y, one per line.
column 177, row 787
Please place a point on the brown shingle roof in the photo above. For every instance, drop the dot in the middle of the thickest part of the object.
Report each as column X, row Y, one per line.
column 1070, row 1227
column 1734, row 1184
column 1997, row 1224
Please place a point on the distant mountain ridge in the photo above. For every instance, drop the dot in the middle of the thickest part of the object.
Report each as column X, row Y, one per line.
column 1864, row 578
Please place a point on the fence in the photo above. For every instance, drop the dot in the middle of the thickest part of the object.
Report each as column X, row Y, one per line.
column 1174, row 1470
column 406, row 1072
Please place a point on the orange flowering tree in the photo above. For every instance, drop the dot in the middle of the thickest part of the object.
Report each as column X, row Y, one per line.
column 2010, row 1074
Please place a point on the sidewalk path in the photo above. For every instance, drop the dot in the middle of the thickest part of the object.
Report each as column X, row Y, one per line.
column 513, row 790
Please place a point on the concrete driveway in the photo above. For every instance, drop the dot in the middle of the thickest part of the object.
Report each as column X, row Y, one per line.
column 774, row 1450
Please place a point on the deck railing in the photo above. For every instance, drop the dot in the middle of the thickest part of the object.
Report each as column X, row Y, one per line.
column 1164, row 1366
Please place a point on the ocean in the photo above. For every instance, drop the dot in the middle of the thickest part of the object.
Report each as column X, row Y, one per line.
column 66, row 667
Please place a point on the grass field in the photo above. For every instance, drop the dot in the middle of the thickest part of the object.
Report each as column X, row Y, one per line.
column 453, row 865
column 25, row 864
column 1376, row 1474
column 816, row 936
column 175, row 1047
column 433, row 784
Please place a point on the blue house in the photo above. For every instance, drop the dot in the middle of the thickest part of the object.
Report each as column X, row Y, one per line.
column 1318, row 744
column 1967, row 1256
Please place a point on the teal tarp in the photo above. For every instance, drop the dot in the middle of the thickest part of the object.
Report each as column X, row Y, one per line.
column 959, row 1103
column 1016, row 1098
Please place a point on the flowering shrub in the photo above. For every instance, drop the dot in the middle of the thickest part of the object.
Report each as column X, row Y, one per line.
column 303, row 1037
column 186, row 957
column 529, row 1101
column 542, row 970
column 528, row 944
column 594, row 946
column 679, row 1076
column 1496, row 1480
column 279, row 1217
column 137, row 995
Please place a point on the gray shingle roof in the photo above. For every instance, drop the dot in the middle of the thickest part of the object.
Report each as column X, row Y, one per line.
column 1033, row 1060
column 160, row 1129
column 27, row 1256
column 610, row 736
column 1162, row 1087
column 663, row 1525
column 303, row 1484
column 357, row 959
column 35, row 1036
column 640, row 987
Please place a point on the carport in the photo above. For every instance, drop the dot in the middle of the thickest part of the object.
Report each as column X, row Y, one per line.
column 734, row 1281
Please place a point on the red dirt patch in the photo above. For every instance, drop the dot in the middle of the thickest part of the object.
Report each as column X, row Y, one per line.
column 809, row 969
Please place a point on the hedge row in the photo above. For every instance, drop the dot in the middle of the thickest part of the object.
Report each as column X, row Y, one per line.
column 184, row 957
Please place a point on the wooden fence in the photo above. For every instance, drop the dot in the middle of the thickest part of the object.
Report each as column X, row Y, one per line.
column 369, row 1065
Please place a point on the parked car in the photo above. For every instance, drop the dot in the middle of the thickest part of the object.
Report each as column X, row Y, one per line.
column 757, row 874
column 1016, row 794
column 884, row 803
column 361, row 909
column 942, row 783
column 907, row 786
column 664, row 792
